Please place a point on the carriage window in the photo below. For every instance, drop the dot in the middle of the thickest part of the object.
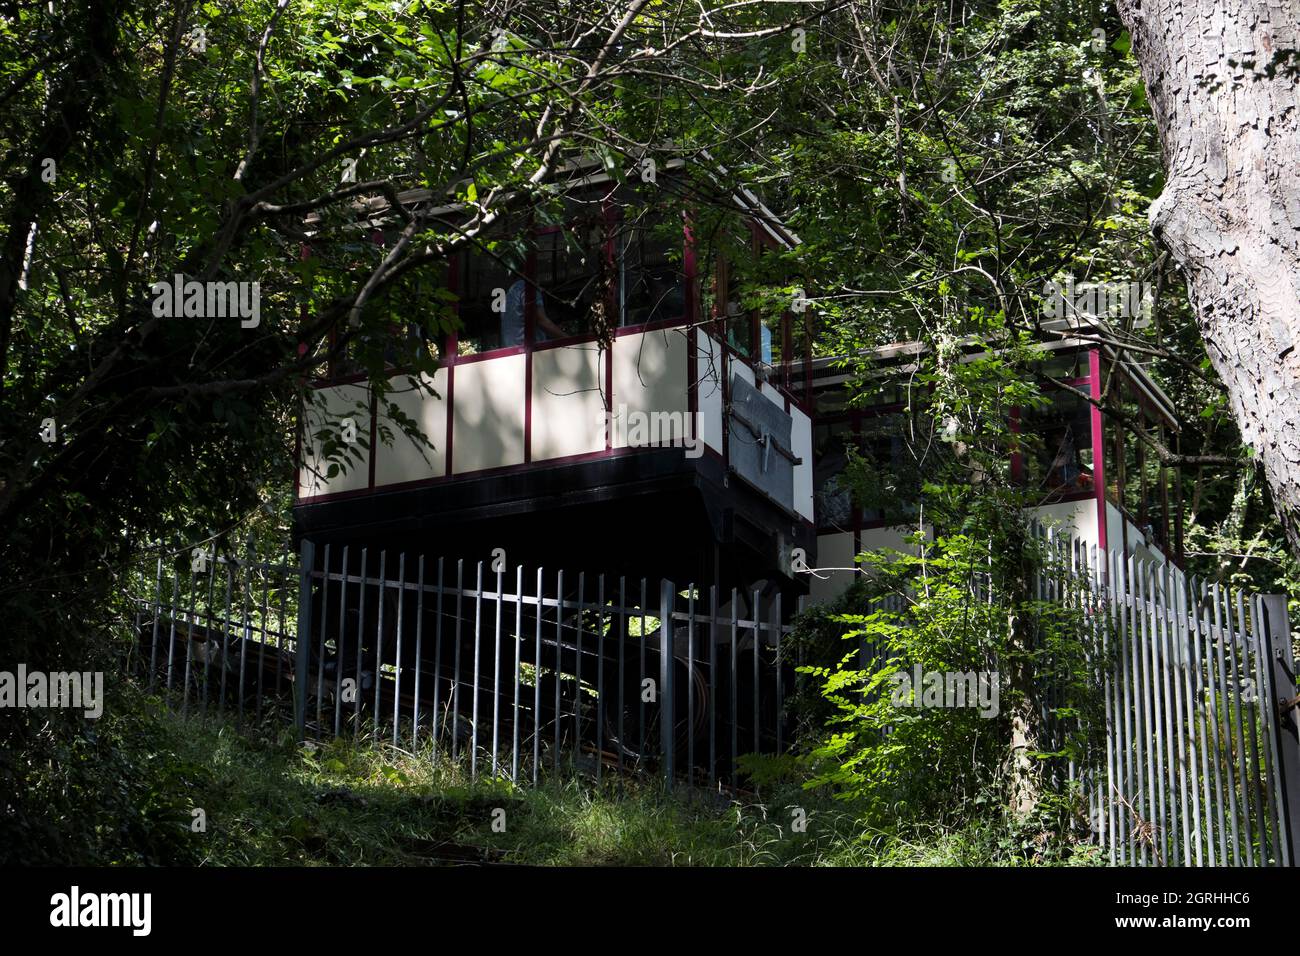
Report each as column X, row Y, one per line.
column 831, row 400
column 892, row 483
column 734, row 245
column 491, row 303
column 875, row 392
column 407, row 339
column 1158, row 504
column 402, row 344
column 1058, row 445
column 772, row 314
column 346, row 364
column 1134, row 458
column 772, row 341
column 870, row 469
column 801, row 347
column 740, row 331
column 1136, row 479
column 1114, row 432
column 1153, row 516
column 1063, row 366
column 652, row 286
column 570, row 279
column 407, row 342
column 834, row 505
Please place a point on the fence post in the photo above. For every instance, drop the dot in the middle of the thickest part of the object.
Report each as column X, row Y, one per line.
column 1277, row 633
column 306, row 563
column 666, row 718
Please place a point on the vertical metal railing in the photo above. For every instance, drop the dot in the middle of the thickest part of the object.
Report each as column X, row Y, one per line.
column 505, row 680
column 1193, row 768
column 1197, row 762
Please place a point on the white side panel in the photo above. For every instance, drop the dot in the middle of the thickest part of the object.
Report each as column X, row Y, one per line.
column 743, row 370
column 893, row 538
column 1135, row 545
column 1114, row 529
column 407, row 459
column 1077, row 517
column 332, row 410
column 649, row 379
column 568, row 402
column 836, row 551
column 488, row 414
column 1081, row 517
column 801, row 445
column 709, row 390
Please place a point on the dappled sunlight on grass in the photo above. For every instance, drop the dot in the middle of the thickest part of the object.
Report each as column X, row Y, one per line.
column 267, row 800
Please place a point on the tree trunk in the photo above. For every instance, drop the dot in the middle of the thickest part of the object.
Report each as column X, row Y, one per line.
column 1222, row 78
column 1022, row 770
column 1024, row 781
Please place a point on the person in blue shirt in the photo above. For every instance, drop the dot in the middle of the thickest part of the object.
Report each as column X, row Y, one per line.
column 512, row 319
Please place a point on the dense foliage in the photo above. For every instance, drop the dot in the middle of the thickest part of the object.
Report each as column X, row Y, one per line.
column 940, row 162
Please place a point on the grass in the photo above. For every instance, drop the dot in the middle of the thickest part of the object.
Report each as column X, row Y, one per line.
column 269, row 801
column 146, row 786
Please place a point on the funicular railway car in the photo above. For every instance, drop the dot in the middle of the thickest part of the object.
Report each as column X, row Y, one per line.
column 1087, row 472
column 603, row 406
column 606, row 407
column 646, row 411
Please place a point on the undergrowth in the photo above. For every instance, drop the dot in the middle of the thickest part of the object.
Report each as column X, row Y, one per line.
column 267, row 800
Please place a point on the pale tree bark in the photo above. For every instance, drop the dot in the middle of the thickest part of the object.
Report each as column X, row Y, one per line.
column 1222, row 79
column 1023, row 771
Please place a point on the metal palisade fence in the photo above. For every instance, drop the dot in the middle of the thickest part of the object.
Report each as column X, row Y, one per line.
column 512, row 672
column 507, row 671
column 1199, row 763
column 219, row 632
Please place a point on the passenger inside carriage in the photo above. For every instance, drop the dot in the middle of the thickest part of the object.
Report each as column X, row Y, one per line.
column 1057, row 443
column 512, row 319
column 1066, row 470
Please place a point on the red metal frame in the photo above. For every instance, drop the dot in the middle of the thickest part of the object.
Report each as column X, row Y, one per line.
column 1098, row 447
